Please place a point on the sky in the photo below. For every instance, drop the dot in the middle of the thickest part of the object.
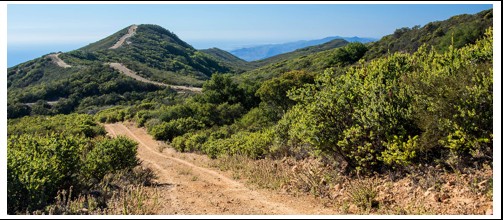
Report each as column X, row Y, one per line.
column 37, row 29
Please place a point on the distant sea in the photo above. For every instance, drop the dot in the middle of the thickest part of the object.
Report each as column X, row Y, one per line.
column 17, row 54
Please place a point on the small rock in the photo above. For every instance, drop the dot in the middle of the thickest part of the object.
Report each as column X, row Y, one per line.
column 444, row 197
column 353, row 207
column 294, row 169
column 483, row 184
column 283, row 160
column 427, row 193
column 337, row 187
column 432, row 196
column 489, row 211
column 334, row 195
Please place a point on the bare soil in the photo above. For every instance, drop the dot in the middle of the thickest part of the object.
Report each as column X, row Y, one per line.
column 131, row 32
column 58, row 61
column 190, row 184
column 191, row 187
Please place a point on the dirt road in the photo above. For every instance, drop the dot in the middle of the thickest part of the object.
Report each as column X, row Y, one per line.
column 190, row 187
column 58, row 61
column 124, row 70
column 130, row 33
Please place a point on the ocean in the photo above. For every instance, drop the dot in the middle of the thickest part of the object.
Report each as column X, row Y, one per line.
column 17, row 54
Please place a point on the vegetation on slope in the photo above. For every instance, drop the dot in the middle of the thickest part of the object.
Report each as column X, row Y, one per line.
column 314, row 62
column 228, row 59
column 398, row 111
column 457, row 31
column 73, row 90
column 392, row 112
column 47, row 156
column 301, row 52
column 157, row 54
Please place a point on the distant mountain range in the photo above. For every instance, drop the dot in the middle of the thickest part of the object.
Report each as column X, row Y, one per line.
column 269, row 50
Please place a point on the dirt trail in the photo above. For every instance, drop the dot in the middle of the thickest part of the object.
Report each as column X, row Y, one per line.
column 33, row 103
column 130, row 33
column 58, row 61
column 130, row 73
column 123, row 69
column 194, row 189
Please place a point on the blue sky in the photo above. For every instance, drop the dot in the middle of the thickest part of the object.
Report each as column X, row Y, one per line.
column 44, row 28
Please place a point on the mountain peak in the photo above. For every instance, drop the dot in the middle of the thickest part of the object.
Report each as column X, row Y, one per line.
column 138, row 34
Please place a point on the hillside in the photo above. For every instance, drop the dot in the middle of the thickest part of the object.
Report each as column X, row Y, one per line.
column 265, row 51
column 228, row 59
column 153, row 52
column 301, row 52
column 142, row 123
column 458, row 30
column 81, row 81
column 314, row 59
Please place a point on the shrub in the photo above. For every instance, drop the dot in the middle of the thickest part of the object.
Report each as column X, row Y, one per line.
column 169, row 130
column 110, row 155
column 39, row 166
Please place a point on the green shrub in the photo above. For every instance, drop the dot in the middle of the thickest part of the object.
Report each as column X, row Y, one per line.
column 39, row 166
column 169, row 130
column 110, row 155
column 389, row 111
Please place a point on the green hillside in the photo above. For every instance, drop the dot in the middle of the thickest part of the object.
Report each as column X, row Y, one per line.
column 106, row 42
column 458, row 30
column 156, row 54
column 416, row 105
column 301, row 52
column 228, row 59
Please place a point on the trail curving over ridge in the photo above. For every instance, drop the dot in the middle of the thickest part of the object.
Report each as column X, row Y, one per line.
column 58, row 61
column 124, row 70
column 130, row 33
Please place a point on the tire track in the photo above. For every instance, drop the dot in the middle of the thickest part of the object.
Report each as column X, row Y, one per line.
column 211, row 193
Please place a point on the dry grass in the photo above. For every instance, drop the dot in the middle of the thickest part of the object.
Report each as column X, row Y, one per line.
column 264, row 173
column 134, row 200
column 363, row 193
column 424, row 190
column 161, row 146
column 122, row 193
column 185, row 171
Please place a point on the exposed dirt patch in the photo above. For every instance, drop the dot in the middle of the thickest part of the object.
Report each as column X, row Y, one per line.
column 131, row 32
column 124, row 70
column 58, row 61
column 192, row 185
column 193, row 188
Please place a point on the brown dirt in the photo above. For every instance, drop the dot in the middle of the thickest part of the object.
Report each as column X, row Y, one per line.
column 124, row 70
column 131, row 32
column 189, row 186
column 58, row 61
